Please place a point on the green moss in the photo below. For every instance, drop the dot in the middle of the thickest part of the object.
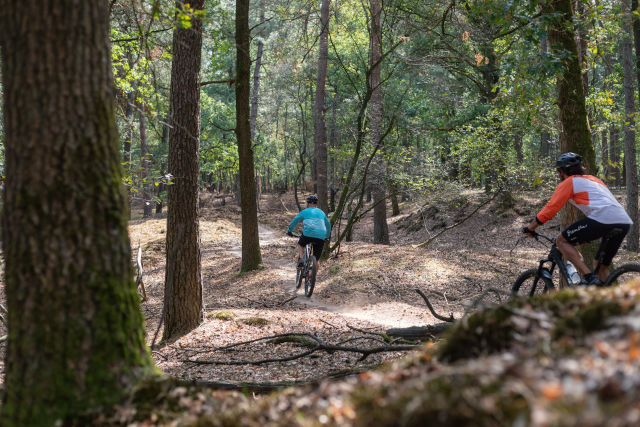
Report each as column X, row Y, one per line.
column 587, row 319
column 485, row 332
column 221, row 315
column 460, row 400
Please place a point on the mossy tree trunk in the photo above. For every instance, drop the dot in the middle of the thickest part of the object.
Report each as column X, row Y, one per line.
column 575, row 134
column 183, row 279
column 76, row 336
column 251, row 257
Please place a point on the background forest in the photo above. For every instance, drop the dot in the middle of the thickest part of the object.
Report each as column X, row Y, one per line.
column 368, row 104
column 468, row 92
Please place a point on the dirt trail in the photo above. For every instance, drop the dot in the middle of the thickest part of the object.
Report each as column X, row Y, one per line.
column 374, row 310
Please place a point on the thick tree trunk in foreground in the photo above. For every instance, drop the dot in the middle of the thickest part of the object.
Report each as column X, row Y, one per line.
column 320, row 134
column 631, row 170
column 76, row 335
column 380, row 227
column 251, row 257
column 183, row 280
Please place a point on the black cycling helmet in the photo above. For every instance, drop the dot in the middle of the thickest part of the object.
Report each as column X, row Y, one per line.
column 567, row 160
column 312, row 199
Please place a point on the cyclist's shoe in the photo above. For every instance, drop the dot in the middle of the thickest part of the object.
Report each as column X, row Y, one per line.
column 590, row 280
column 300, row 262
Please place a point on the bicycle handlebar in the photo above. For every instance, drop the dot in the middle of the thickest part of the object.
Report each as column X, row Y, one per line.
column 549, row 239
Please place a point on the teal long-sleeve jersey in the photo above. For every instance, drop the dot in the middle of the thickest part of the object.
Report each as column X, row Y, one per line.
column 315, row 222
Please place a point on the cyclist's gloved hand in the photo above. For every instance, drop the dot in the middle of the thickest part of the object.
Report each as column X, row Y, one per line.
column 527, row 232
column 289, row 234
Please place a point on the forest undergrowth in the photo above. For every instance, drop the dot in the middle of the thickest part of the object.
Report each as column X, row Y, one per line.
column 542, row 361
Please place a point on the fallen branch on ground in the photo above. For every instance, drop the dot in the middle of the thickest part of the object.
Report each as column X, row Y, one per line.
column 312, row 342
column 436, row 315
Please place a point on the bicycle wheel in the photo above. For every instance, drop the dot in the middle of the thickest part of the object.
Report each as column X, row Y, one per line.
column 528, row 284
column 299, row 275
column 310, row 280
column 623, row 274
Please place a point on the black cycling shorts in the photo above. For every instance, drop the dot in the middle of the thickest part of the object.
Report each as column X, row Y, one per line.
column 588, row 230
column 317, row 244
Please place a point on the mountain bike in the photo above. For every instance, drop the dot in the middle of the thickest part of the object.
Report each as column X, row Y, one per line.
column 307, row 270
column 540, row 280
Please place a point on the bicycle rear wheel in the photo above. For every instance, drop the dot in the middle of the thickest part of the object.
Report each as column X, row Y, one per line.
column 623, row 274
column 529, row 284
column 310, row 279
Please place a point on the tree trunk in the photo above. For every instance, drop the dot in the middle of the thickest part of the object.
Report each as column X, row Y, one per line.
column 162, row 186
column 128, row 114
column 614, row 154
column 64, row 218
column 380, row 227
column 183, row 279
column 255, row 97
column 631, row 170
column 605, row 156
column 517, row 145
column 251, row 257
column 320, row 131
column 147, row 211
column 575, row 135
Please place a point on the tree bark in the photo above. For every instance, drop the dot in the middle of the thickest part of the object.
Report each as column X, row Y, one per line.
column 76, row 335
column 320, row 131
column 255, row 97
column 380, row 227
column 614, row 153
column 575, row 135
column 251, row 257
column 183, row 279
column 631, row 170
column 147, row 211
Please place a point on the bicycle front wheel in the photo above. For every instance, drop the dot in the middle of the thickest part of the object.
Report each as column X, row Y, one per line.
column 310, row 280
column 623, row 274
column 530, row 284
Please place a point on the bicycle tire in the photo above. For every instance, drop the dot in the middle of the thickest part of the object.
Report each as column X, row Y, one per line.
column 299, row 276
column 310, row 279
column 626, row 272
column 527, row 285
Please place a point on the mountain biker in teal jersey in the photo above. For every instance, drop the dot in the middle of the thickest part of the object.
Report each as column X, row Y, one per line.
column 317, row 228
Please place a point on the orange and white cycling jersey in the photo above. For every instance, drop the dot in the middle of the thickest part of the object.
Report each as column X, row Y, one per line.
column 591, row 196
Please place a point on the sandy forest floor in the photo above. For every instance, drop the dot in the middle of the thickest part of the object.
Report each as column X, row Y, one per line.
column 368, row 287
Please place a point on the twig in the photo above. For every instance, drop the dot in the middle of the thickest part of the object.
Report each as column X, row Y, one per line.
column 435, row 236
column 436, row 315
column 287, row 300
column 362, row 331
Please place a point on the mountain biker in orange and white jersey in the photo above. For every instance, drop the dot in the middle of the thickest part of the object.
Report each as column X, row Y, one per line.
column 603, row 214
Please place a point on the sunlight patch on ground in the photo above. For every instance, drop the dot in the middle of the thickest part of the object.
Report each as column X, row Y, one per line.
column 156, row 229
